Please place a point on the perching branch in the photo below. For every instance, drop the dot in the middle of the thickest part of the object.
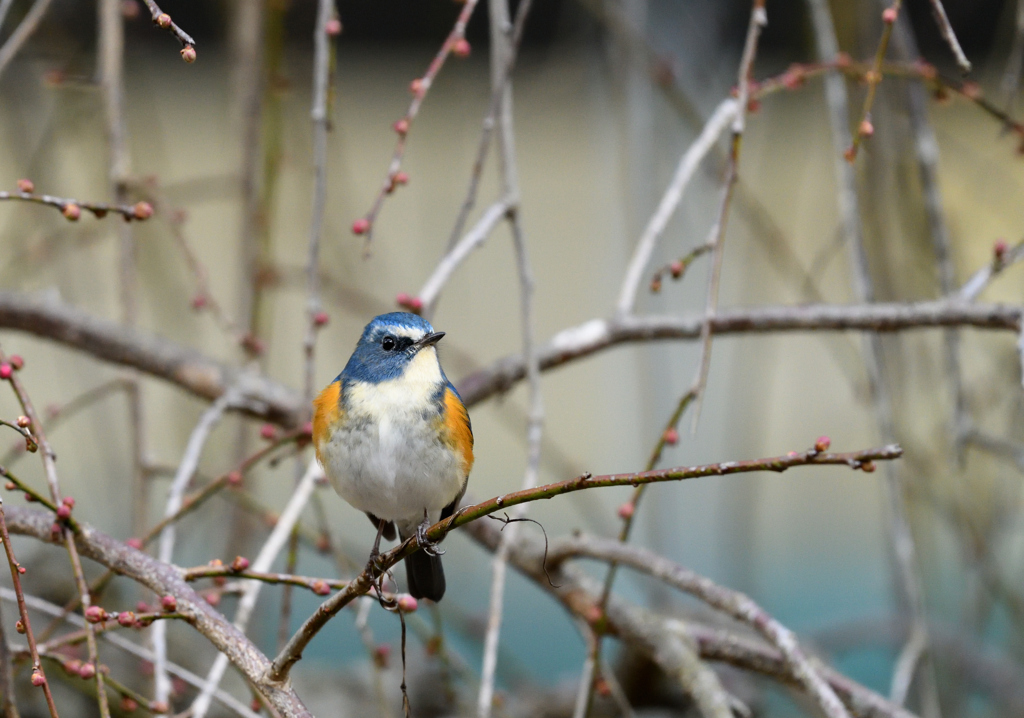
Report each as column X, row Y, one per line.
column 292, row 652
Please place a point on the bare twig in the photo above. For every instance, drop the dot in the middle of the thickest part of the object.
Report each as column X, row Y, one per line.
column 949, row 36
column 419, row 89
column 361, row 584
column 186, row 470
column 273, row 546
column 657, row 638
column 22, row 33
column 72, row 208
column 16, row 571
column 873, row 78
column 163, row 20
column 490, row 120
column 598, row 334
column 758, row 20
column 688, row 163
column 65, row 530
column 501, row 52
column 731, row 602
column 981, row 279
column 165, row 580
column 133, row 649
column 41, row 315
column 475, row 237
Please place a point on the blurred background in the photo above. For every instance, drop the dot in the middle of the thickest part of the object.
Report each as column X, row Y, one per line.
column 608, row 95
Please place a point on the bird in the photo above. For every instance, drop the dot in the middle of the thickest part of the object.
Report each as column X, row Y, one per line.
column 395, row 440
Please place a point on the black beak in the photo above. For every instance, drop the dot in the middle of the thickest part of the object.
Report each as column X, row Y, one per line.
column 428, row 340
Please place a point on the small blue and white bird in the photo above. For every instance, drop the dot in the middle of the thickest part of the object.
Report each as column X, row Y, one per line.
column 395, row 440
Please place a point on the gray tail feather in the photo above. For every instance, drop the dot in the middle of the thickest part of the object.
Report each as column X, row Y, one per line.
column 425, row 576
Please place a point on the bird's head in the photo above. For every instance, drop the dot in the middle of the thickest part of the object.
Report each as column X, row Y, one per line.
column 389, row 345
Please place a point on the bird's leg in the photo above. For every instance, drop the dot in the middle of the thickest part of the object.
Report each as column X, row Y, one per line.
column 372, row 564
column 429, row 547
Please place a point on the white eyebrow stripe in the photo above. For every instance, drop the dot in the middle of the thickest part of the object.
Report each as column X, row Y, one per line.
column 409, row 332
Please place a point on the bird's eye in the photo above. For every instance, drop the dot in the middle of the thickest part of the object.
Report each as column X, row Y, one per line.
column 387, row 343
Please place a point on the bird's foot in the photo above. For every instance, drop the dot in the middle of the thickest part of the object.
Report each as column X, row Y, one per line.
column 431, row 548
column 373, row 564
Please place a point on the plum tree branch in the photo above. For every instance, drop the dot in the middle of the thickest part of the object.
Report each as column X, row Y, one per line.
column 278, row 672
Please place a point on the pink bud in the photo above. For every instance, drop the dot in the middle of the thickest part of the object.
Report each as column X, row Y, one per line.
column 143, row 607
column 16, row 361
column 407, row 604
column 199, row 301
column 401, row 126
column 38, row 679
column 999, row 249
column 129, row 9
column 333, row 27
column 26, row 186
column 268, row 432
column 126, row 619
column 19, row 626
column 626, row 510
column 95, row 614
column 417, row 87
column 72, row 211
column 866, row 128
column 212, row 597
column 240, row 563
column 188, row 54
column 142, row 210
column 671, row 436
column 163, row 20
column 169, row 603
column 129, row 705
column 461, row 48
column 68, row 501
column 889, row 15
column 63, row 512
column 235, row 478
column 135, row 543
column 24, row 422
column 320, row 588
column 321, row 318
column 822, row 443
column 360, row 226
column 868, row 467
column 676, row 268
column 5, row 371
column 87, row 671
column 159, row 707
column 401, row 178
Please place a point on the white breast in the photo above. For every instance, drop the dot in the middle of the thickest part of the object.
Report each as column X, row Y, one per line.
column 387, row 458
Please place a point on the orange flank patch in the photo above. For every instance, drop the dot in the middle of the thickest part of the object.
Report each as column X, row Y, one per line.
column 326, row 412
column 456, row 424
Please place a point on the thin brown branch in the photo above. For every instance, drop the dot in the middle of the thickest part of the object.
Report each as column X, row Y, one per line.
column 165, row 580
column 419, row 88
column 24, row 623
column 758, row 20
column 72, row 208
column 860, row 460
column 163, row 20
column 865, row 128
